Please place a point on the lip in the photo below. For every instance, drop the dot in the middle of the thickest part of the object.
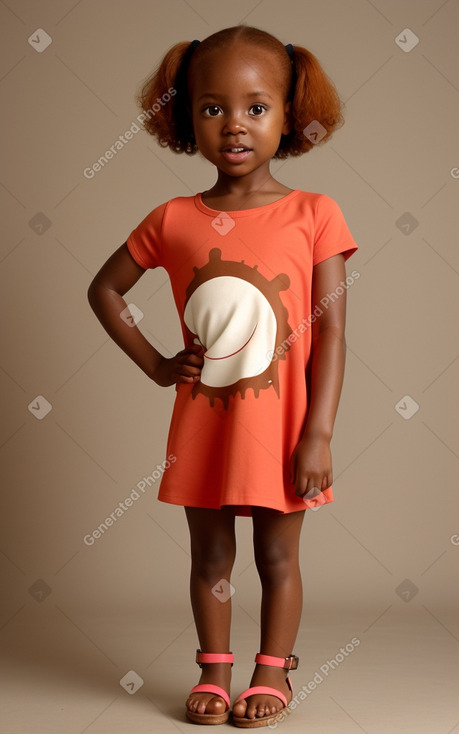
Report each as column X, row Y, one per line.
column 236, row 157
column 235, row 145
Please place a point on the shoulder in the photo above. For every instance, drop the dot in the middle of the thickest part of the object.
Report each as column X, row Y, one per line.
column 160, row 212
column 178, row 202
column 317, row 200
column 314, row 206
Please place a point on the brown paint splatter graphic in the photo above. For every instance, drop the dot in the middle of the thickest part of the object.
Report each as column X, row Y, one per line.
column 217, row 267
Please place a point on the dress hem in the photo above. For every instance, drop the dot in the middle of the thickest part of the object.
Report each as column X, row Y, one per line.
column 244, row 509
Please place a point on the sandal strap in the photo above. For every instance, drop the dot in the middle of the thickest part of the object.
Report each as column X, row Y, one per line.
column 288, row 663
column 210, row 688
column 262, row 689
column 213, row 657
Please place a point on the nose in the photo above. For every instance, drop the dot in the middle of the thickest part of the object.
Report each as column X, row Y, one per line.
column 234, row 124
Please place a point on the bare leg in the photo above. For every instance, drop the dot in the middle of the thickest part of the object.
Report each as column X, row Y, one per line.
column 213, row 549
column 276, row 546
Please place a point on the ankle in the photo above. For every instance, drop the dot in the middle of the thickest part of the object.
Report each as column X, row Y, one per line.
column 270, row 673
column 270, row 668
column 216, row 670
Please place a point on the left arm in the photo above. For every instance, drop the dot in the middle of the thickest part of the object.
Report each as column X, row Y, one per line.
column 311, row 462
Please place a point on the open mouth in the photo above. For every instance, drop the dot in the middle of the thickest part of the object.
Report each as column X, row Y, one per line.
column 236, row 149
column 236, row 153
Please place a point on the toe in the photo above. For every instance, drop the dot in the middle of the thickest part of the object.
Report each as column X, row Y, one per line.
column 216, row 705
column 252, row 710
column 192, row 704
column 259, row 707
column 240, row 708
column 206, row 704
column 255, row 707
column 201, row 706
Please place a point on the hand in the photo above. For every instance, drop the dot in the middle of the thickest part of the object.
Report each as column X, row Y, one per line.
column 184, row 367
column 311, row 465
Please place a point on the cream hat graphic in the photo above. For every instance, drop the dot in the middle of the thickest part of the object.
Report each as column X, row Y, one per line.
column 238, row 317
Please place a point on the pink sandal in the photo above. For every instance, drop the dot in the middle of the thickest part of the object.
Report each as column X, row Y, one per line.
column 211, row 657
column 290, row 663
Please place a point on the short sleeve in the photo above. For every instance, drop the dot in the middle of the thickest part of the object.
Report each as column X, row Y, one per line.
column 332, row 234
column 145, row 241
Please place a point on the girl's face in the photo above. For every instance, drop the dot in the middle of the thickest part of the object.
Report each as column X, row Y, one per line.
column 238, row 108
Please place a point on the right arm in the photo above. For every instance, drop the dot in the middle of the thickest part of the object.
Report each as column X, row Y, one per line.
column 105, row 295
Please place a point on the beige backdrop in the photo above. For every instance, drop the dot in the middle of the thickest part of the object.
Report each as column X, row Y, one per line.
column 388, row 548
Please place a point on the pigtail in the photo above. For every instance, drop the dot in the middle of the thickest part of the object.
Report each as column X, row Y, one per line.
column 314, row 98
column 164, row 101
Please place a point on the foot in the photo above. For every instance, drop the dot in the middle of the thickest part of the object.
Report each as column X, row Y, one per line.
column 208, row 703
column 261, row 704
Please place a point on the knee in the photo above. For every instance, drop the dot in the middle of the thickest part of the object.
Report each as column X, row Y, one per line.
column 275, row 563
column 213, row 561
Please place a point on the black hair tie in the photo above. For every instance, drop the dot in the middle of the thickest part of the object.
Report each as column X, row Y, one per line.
column 290, row 51
column 181, row 100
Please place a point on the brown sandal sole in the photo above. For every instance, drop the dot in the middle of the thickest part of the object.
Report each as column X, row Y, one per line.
column 244, row 723
column 210, row 719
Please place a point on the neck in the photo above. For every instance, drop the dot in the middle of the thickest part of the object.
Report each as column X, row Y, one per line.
column 240, row 187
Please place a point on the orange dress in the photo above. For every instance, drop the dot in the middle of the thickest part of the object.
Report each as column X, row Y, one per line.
column 241, row 281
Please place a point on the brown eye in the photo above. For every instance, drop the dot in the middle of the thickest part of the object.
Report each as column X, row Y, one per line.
column 212, row 111
column 257, row 110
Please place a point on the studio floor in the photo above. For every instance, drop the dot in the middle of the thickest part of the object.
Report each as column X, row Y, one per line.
column 397, row 673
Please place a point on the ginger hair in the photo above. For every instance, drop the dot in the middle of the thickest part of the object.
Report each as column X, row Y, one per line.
column 312, row 94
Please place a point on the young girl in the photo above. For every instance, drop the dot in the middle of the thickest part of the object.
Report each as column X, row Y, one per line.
column 258, row 277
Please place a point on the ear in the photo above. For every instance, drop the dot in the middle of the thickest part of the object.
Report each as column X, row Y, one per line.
column 288, row 123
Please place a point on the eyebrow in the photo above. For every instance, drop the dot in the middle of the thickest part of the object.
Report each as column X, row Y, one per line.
column 214, row 95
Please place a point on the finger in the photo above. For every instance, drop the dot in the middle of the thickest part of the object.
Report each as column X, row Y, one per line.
column 185, row 379
column 188, row 370
column 314, row 498
column 301, row 485
column 192, row 360
column 199, row 349
column 310, row 487
column 312, row 492
column 185, row 358
column 327, row 480
column 193, row 349
column 181, row 376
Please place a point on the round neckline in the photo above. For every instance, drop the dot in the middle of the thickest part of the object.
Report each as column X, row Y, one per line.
column 242, row 212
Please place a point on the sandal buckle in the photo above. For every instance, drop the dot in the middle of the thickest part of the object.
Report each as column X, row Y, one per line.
column 291, row 663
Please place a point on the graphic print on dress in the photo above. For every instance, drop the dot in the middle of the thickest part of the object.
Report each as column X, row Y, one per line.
column 237, row 315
